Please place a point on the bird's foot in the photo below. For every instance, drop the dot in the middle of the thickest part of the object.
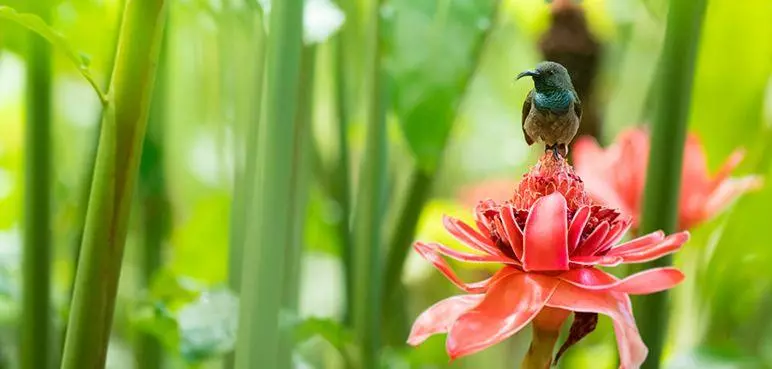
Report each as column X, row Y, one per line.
column 563, row 150
column 555, row 151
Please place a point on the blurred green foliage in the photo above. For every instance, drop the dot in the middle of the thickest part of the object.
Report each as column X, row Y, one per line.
column 459, row 114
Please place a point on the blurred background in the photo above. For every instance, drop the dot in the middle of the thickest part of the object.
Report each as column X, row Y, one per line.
column 452, row 137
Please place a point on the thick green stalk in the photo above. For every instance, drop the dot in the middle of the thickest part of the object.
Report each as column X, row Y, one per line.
column 369, row 216
column 115, row 175
column 154, row 200
column 263, row 278
column 300, row 177
column 36, row 328
column 248, row 111
column 419, row 189
column 341, row 185
column 663, row 183
column 247, row 105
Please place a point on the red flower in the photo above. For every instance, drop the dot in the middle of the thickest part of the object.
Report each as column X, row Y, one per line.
column 615, row 177
column 549, row 238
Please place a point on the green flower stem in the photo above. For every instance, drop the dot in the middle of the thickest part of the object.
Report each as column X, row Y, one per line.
column 661, row 198
column 156, row 209
column 263, row 279
column 115, row 175
column 539, row 355
column 366, row 253
column 36, row 328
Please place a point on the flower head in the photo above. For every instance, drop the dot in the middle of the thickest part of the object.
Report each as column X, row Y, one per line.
column 616, row 176
column 549, row 239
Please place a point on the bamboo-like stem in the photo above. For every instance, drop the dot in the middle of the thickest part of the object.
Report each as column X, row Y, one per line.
column 663, row 183
column 419, row 189
column 247, row 106
column 367, row 224
column 341, row 185
column 154, row 200
column 263, row 278
column 36, row 328
column 300, row 177
column 115, row 175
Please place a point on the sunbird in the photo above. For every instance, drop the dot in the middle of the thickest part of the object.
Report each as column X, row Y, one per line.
column 552, row 111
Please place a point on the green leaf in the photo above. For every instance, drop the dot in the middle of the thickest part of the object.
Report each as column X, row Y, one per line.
column 198, row 325
column 432, row 53
column 35, row 24
column 729, row 91
column 332, row 331
column 709, row 358
column 208, row 326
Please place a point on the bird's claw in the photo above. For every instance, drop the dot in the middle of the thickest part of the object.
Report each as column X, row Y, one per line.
column 555, row 151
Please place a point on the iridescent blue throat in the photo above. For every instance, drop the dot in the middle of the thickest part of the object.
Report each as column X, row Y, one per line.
column 556, row 101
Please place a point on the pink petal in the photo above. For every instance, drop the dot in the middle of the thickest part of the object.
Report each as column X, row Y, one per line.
column 605, row 260
column 643, row 254
column 469, row 236
column 632, row 351
column 461, row 256
column 479, row 214
column 546, row 236
column 514, row 234
column 508, row 306
column 649, row 281
column 577, row 227
column 616, row 233
column 428, row 252
column 593, row 243
column 726, row 192
column 640, row 242
column 440, row 316
column 726, row 169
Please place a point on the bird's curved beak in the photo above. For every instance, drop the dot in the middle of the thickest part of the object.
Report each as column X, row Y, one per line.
column 530, row 73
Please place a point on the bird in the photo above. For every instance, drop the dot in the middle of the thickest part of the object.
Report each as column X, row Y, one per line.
column 552, row 110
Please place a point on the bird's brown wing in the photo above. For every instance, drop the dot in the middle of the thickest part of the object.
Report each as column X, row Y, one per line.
column 578, row 109
column 526, row 111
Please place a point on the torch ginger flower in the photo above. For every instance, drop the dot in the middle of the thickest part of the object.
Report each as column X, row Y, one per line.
column 549, row 238
column 616, row 176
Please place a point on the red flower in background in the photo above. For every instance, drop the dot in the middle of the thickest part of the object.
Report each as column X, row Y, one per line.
column 549, row 239
column 616, row 176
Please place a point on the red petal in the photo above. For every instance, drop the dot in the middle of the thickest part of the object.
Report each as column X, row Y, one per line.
column 593, row 243
column 726, row 169
column 463, row 256
column 514, row 234
column 440, row 316
column 577, row 226
column 650, row 252
column 640, row 242
column 616, row 233
column 605, row 260
column 507, row 307
column 632, row 351
column 429, row 252
column 469, row 236
column 546, row 236
column 726, row 192
column 649, row 281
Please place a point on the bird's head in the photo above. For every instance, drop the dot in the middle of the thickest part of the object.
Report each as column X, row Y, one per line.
column 549, row 76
